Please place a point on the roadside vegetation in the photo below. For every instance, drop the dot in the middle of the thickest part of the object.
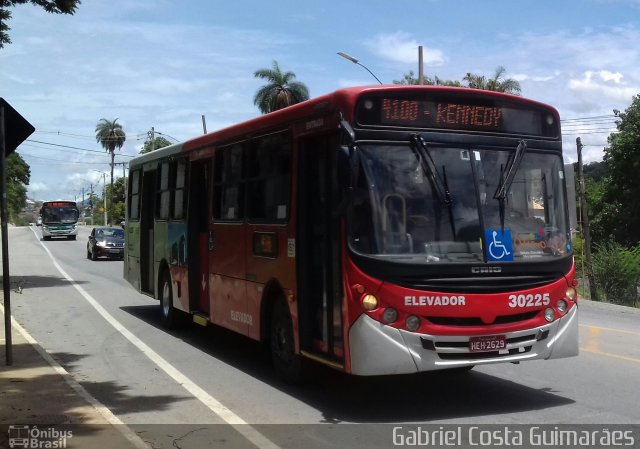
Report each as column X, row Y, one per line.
column 612, row 192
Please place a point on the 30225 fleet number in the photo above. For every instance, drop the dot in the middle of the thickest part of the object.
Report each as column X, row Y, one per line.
column 530, row 300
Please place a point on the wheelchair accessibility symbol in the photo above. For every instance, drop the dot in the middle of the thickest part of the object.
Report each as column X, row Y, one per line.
column 499, row 245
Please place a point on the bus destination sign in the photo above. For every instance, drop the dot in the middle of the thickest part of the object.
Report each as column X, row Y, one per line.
column 440, row 115
column 60, row 204
column 458, row 113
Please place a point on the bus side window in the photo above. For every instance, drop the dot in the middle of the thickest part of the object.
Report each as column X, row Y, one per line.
column 134, row 196
column 268, row 174
column 229, row 186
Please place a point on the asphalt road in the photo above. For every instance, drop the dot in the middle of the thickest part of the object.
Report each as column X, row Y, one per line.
column 108, row 337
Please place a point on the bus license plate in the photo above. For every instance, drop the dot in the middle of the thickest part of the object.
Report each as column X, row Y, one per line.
column 487, row 343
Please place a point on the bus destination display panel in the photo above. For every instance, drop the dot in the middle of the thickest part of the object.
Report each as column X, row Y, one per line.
column 456, row 113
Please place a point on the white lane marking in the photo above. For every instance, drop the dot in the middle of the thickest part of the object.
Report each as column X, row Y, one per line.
column 112, row 419
column 241, row 426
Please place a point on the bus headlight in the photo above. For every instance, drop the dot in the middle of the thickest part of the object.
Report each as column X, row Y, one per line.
column 390, row 315
column 562, row 306
column 549, row 314
column 412, row 323
column 571, row 294
column 369, row 302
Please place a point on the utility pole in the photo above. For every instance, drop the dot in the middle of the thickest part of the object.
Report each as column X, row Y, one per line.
column 104, row 196
column 585, row 224
column 152, row 136
column 420, row 66
column 204, row 125
column 82, row 207
column 91, row 202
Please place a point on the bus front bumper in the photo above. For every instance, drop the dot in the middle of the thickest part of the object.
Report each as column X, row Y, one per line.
column 378, row 349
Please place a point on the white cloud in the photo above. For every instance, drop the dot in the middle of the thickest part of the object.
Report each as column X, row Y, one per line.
column 37, row 189
column 603, row 85
column 401, row 47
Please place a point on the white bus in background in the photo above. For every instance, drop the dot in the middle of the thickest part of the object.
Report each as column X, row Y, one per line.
column 59, row 219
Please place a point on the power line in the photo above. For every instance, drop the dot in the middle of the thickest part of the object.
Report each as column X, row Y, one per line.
column 74, row 148
column 84, row 136
column 63, row 162
column 588, row 118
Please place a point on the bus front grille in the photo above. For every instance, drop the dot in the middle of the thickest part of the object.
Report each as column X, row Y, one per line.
column 476, row 321
column 484, row 284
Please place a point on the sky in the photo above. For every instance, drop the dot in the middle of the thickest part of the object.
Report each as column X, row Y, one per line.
column 165, row 64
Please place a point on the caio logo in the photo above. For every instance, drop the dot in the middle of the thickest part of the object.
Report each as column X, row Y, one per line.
column 486, row 270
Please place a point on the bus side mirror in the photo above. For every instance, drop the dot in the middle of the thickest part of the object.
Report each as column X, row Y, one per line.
column 344, row 167
column 348, row 132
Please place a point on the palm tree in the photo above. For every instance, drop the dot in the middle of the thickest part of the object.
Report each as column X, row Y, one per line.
column 111, row 136
column 280, row 91
column 497, row 83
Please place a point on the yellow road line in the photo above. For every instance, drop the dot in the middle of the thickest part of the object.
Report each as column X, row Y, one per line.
column 613, row 356
column 592, row 341
column 588, row 326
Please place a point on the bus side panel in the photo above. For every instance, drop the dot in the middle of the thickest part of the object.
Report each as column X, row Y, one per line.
column 227, row 289
column 161, row 250
column 132, row 258
column 280, row 267
column 177, row 259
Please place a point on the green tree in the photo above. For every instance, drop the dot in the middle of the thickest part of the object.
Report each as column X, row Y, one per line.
column 94, row 202
column 280, row 91
column 410, row 79
column 622, row 189
column 595, row 180
column 111, row 136
column 18, row 177
column 160, row 142
column 51, row 6
column 496, row 83
column 116, row 199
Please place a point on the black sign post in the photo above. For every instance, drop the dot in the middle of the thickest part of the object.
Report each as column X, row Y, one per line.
column 14, row 129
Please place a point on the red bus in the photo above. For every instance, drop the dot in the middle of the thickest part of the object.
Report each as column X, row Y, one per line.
column 378, row 230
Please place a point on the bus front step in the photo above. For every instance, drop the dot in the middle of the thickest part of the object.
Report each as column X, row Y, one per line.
column 200, row 319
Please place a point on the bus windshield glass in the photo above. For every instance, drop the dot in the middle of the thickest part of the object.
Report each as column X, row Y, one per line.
column 59, row 214
column 398, row 214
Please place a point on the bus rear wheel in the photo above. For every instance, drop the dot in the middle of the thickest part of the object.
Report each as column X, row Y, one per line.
column 286, row 362
column 168, row 312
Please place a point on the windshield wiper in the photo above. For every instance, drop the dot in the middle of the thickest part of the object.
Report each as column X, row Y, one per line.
column 421, row 151
column 505, row 181
column 511, row 168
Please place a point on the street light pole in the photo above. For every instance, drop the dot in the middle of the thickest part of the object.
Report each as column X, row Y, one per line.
column 355, row 61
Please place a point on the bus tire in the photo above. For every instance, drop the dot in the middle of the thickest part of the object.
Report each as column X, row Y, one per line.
column 286, row 362
column 171, row 317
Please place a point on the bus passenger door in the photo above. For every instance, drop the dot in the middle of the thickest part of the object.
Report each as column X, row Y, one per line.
column 198, row 237
column 318, row 248
column 147, row 220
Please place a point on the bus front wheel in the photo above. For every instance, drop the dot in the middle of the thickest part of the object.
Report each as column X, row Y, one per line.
column 287, row 364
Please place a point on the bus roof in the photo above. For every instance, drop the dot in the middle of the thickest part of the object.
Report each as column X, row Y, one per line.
column 342, row 100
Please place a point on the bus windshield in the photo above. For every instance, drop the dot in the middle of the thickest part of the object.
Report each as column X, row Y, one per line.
column 398, row 213
column 59, row 215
